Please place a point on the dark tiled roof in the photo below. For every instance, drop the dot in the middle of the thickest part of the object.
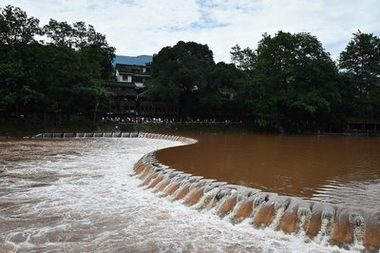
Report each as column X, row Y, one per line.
column 135, row 69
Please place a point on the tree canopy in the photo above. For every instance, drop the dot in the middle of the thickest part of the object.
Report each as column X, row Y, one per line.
column 64, row 74
column 294, row 81
column 289, row 82
column 180, row 72
column 360, row 64
column 243, row 59
column 187, row 75
column 17, row 27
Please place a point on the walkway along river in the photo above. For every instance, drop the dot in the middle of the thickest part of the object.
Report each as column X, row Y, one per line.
column 81, row 195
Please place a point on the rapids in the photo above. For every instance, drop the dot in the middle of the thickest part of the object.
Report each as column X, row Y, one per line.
column 75, row 195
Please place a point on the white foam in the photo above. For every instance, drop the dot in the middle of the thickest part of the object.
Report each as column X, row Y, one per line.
column 93, row 203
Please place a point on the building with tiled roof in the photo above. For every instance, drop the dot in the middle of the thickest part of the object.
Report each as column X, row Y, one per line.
column 129, row 88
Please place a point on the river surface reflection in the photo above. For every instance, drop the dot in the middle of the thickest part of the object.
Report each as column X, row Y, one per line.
column 335, row 169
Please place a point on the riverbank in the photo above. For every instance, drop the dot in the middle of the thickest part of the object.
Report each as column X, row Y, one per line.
column 232, row 127
column 26, row 129
column 20, row 129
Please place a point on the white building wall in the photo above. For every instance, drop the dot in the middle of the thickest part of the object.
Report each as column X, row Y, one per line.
column 139, row 85
column 121, row 78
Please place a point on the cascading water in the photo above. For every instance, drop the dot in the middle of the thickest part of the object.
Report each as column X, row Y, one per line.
column 86, row 197
column 322, row 223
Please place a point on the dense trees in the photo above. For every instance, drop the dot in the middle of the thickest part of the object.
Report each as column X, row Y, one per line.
column 244, row 59
column 187, row 75
column 179, row 72
column 360, row 66
column 288, row 83
column 294, row 82
column 63, row 75
column 16, row 27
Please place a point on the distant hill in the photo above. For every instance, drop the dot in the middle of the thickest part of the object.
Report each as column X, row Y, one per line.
column 133, row 60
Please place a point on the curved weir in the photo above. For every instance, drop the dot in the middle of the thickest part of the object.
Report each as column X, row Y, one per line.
column 317, row 222
column 336, row 224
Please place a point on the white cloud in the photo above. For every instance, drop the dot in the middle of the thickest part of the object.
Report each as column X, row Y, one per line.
column 145, row 26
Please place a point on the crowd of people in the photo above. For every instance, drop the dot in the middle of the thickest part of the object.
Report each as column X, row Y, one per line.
column 160, row 120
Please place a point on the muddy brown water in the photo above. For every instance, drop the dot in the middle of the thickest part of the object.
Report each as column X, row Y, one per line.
column 81, row 195
column 334, row 169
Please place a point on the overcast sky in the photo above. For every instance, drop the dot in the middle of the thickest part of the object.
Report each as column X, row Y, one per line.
column 136, row 27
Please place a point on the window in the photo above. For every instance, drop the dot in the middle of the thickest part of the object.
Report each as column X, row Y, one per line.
column 138, row 79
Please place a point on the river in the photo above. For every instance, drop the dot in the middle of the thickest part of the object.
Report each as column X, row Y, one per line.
column 82, row 196
column 334, row 169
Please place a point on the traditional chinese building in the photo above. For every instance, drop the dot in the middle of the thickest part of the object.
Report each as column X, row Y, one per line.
column 129, row 89
column 132, row 74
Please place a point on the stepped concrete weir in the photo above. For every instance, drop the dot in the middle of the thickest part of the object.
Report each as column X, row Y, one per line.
column 317, row 221
column 337, row 224
column 116, row 134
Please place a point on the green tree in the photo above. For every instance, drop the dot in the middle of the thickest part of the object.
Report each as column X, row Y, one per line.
column 60, row 33
column 217, row 99
column 63, row 77
column 244, row 59
column 17, row 86
column 17, row 27
column 90, row 60
column 180, row 73
column 294, row 83
column 361, row 60
column 359, row 63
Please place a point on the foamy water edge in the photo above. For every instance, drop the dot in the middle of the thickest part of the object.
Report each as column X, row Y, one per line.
column 103, row 205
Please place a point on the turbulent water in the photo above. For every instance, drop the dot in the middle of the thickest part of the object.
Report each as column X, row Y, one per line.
column 81, row 196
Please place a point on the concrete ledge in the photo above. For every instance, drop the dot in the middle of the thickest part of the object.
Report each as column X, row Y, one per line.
column 338, row 224
column 87, row 135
